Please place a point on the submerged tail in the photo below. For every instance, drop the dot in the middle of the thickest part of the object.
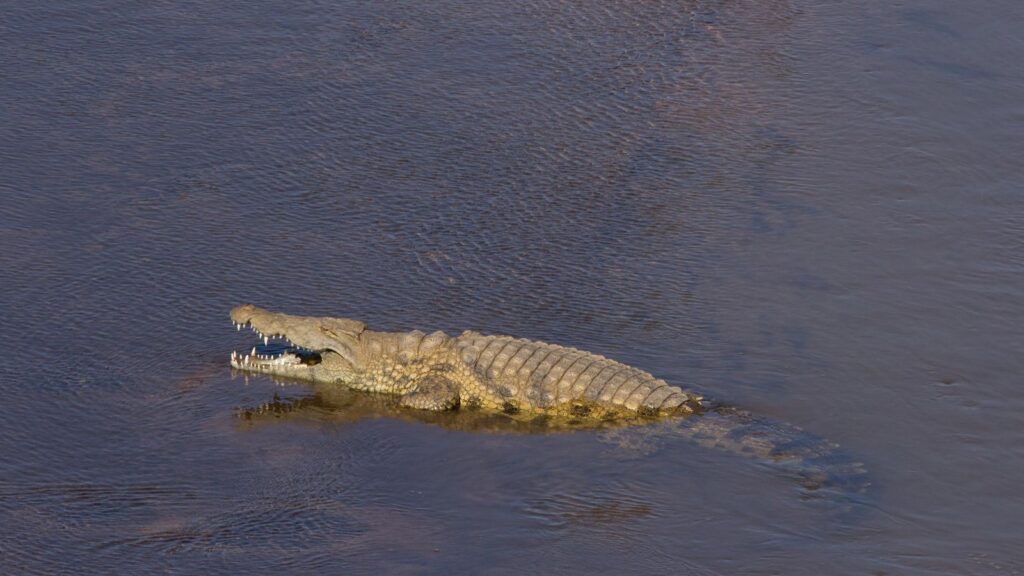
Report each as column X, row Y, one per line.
column 817, row 464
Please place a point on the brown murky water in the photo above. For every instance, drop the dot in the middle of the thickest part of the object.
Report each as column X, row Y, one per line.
column 811, row 210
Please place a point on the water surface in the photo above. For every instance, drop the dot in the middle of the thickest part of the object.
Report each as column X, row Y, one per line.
column 806, row 209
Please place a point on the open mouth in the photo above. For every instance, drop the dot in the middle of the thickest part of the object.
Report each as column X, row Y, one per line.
column 276, row 354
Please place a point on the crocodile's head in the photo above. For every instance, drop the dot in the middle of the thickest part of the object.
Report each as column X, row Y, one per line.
column 317, row 349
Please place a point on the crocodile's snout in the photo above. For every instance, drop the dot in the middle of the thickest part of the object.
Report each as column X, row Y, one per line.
column 243, row 314
column 309, row 341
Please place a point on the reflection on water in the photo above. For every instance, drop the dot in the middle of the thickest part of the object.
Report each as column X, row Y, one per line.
column 810, row 211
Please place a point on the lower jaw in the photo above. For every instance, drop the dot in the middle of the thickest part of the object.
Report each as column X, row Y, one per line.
column 274, row 373
column 284, row 371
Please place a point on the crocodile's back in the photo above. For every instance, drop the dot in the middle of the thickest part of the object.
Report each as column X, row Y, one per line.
column 541, row 376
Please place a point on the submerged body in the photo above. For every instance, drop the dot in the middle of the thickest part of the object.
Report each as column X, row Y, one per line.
column 440, row 372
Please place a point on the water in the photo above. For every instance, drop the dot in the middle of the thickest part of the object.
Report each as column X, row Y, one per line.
column 807, row 209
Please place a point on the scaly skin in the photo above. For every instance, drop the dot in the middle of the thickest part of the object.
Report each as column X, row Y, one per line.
column 438, row 372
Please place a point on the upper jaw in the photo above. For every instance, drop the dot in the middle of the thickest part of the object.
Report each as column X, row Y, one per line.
column 320, row 335
column 265, row 323
column 311, row 332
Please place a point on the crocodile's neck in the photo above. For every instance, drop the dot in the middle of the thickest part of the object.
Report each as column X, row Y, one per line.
column 393, row 362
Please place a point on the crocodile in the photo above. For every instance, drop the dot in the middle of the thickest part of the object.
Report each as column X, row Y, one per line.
column 472, row 370
column 475, row 381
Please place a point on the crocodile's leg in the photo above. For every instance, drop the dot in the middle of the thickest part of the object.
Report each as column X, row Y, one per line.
column 433, row 392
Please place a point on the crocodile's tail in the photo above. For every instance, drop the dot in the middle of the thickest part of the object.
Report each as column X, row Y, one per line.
column 818, row 465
